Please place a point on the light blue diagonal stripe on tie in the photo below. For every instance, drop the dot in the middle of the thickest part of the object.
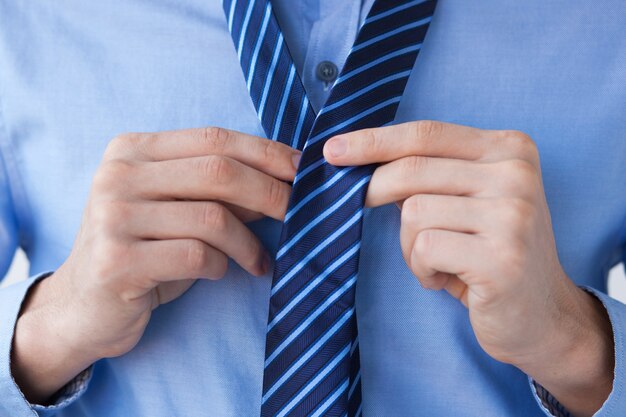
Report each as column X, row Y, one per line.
column 354, row 383
column 355, row 344
column 392, row 11
column 259, row 42
column 365, row 90
column 244, row 29
column 331, row 399
column 307, row 355
column 330, row 210
column 329, row 183
column 301, row 264
column 293, row 334
column 391, row 33
column 309, row 169
column 231, row 14
column 378, row 61
column 338, row 127
column 300, row 125
column 270, row 74
column 283, row 103
column 313, row 383
column 313, row 284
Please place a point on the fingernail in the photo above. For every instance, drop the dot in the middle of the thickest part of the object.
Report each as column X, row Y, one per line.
column 295, row 160
column 337, row 146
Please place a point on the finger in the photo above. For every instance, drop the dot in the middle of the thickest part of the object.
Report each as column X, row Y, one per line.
column 457, row 288
column 456, row 214
column 215, row 178
column 169, row 291
column 160, row 261
column 209, row 222
column 273, row 158
column 428, row 138
column 243, row 214
column 450, row 282
column 436, row 282
column 449, row 252
column 412, row 175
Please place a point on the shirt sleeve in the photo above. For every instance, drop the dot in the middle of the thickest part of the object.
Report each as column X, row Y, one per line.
column 615, row 404
column 550, row 405
column 12, row 401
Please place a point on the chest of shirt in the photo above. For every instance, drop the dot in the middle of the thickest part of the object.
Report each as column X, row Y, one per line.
column 75, row 75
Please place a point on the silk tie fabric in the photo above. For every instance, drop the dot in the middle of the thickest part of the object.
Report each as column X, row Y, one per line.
column 312, row 365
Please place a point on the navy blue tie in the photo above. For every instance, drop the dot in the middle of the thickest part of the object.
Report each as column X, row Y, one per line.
column 312, row 365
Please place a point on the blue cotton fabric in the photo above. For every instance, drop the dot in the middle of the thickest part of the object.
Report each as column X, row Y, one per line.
column 74, row 74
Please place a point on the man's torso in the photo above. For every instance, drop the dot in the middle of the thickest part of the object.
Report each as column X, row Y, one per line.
column 75, row 74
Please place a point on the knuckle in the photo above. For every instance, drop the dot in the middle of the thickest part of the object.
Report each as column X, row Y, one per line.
column 414, row 207
column 219, row 267
column 427, row 129
column 217, row 169
column 516, row 214
column 435, row 282
column 142, row 143
column 254, row 248
column 119, row 169
column 214, row 217
column 268, row 152
column 521, row 167
column 216, row 139
column 121, row 144
column 521, row 144
column 112, row 173
column 518, row 136
column 524, row 170
column 406, row 247
column 424, row 243
column 101, row 180
column 109, row 261
column 413, row 165
column 114, row 146
column 512, row 258
column 110, row 217
column 517, row 175
column 420, row 203
column 195, row 255
column 372, row 142
column 276, row 195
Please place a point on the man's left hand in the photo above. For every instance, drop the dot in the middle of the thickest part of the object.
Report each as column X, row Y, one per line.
column 475, row 222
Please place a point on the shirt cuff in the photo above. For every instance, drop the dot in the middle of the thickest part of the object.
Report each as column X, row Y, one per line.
column 547, row 402
column 66, row 395
column 13, row 402
column 615, row 404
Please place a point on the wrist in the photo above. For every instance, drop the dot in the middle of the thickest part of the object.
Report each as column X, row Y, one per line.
column 576, row 362
column 45, row 354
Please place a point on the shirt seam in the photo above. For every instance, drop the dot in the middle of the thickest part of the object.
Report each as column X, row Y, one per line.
column 28, row 283
column 615, row 315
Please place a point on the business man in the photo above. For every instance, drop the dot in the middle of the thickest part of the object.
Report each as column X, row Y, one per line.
column 495, row 210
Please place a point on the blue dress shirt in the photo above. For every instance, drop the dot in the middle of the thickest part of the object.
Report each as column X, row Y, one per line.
column 75, row 73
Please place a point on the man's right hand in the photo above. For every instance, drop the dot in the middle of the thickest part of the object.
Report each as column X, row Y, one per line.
column 164, row 209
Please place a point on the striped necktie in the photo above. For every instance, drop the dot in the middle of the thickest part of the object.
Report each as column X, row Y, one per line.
column 312, row 356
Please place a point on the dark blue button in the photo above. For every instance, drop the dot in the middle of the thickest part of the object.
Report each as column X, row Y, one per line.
column 327, row 71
